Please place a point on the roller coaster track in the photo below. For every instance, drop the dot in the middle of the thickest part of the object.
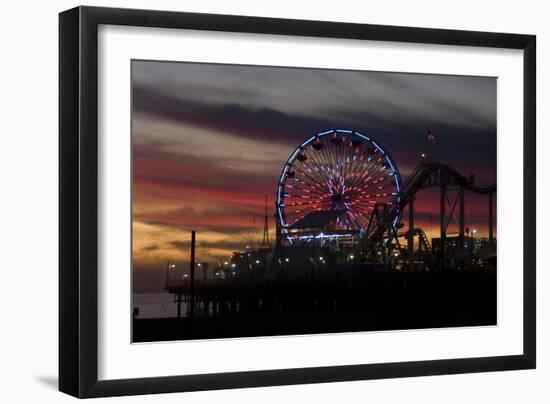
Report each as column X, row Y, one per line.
column 423, row 239
column 435, row 174
column 427, row 174
column 425, row 243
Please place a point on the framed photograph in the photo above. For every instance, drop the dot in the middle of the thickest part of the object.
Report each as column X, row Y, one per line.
column 251, row 201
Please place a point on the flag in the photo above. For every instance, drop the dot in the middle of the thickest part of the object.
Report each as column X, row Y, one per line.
column 431, row 138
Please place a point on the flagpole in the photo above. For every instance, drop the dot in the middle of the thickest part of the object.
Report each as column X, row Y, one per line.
column 433, row 140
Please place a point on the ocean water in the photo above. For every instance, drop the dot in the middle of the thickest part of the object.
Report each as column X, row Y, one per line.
column 157, row 305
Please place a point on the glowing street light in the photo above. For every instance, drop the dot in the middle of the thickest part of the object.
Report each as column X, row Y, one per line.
column 169, row 267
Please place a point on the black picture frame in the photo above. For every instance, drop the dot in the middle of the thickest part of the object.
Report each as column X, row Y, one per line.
column 78, row 201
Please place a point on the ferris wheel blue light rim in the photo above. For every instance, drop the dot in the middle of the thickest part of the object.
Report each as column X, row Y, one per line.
column 280, row 191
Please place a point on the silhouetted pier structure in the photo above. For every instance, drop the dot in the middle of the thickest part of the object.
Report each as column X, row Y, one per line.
column 370, row 281
column 364, row 298
column 264, row 281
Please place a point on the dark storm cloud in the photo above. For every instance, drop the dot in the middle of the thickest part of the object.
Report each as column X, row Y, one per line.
column 182, row 169
column 405, row 139
column 153, row 247
column 258, row 124
column 161, row 223
column 454, row 100
column 181, row 244
column 279, row 126
column 286, row 106
column 225, row 244
column 170, row 224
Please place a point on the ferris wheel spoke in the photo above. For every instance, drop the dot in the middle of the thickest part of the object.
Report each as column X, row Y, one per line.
column 317, row 167
column 312, row 193
column 350, row 164
column 360, row 222
column 357, row 178
column 305, row 172
column 311, row 166
column 363, row 166
column 312, row 182
column 310, row 176
column 334, row 152
column 308, row 198
column 322, row 163
column 327, row 156
column 296, row 204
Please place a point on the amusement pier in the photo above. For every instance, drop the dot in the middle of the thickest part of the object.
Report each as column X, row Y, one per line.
column 347, row 254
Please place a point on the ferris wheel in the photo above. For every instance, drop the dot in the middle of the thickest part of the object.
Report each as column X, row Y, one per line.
column 333, row 182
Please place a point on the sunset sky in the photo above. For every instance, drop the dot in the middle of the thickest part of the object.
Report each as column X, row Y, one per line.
column 209, row 141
